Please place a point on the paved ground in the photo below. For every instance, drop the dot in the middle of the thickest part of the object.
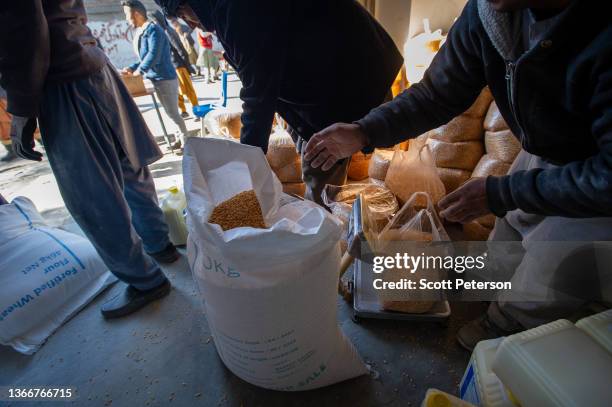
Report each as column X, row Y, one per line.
column 35, row 180
column 164, row 355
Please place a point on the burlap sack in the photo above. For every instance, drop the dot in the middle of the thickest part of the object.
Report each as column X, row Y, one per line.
column 494, row 120
column 452, row 178
column 502, row 145
column 463, row 155
column 461, row 128
column 481, row 105
column 490, row 166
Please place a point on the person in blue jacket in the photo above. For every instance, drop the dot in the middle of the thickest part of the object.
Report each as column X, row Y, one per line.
column 153, row 49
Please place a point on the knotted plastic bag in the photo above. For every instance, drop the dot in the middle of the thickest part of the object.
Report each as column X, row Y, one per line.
column 414, row 171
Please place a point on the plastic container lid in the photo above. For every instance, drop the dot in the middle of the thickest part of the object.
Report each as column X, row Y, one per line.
column 438, row 398
column 599, row 327
column 555, row 364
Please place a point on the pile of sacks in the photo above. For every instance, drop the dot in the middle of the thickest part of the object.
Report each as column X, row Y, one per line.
column 458, row 145
column 501, row 149
column 477, row 143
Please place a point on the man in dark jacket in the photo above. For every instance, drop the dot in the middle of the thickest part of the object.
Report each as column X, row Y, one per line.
column 549, row 67
column 96, row 140
column 313, row 62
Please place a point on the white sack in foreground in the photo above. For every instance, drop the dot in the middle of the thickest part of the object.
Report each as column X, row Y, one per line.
column 46, row 276
column 269, row 294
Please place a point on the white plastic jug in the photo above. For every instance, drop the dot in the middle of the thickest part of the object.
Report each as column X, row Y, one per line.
column 173, row 205
column 479, row 385
column 599, row 326
column 555, row 365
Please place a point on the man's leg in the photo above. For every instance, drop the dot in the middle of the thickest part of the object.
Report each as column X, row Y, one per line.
column 167, row 91
column 181, row 103
column 559, row 274
column 546, row 284
column 86, row 162
column 187, row 88
column 147, row 217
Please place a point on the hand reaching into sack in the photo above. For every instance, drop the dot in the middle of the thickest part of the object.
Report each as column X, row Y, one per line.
column 334, row 143
column 467, row 202
column 22, row 137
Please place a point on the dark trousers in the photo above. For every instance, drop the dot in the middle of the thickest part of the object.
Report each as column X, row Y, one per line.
column 114, row 203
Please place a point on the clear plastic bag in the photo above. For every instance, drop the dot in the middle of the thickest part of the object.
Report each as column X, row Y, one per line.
column 380, row 202
column 413, row 223
column 414, row 171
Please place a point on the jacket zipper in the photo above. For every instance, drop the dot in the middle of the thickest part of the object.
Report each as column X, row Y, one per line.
column 510, row 82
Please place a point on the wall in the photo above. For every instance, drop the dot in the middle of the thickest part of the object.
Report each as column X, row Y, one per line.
column 404, row 18
column 115, row 36
column 108, row 25
column 441, row 14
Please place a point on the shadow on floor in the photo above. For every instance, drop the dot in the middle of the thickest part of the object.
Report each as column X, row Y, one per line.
column 166, row 169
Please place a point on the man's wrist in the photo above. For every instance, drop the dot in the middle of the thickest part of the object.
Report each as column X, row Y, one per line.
column 499, row 197
column 364, row 139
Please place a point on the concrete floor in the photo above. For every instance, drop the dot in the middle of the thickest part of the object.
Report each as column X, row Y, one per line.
column 164, row 355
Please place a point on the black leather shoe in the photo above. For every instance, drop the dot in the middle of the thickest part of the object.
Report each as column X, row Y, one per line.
column 166, row 256
column 131, row 300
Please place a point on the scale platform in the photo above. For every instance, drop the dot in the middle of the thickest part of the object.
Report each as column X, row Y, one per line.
column 365, row 299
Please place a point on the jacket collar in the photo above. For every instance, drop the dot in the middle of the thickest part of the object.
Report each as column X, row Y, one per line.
column 503, row 29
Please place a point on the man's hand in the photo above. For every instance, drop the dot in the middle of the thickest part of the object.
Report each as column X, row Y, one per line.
column 126, row 71
column 136, row 73
column 22, row 137
column 467, row 202
column 334, row 143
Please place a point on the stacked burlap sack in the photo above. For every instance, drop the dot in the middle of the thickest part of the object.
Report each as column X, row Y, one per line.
column 501, row 147
column 458, row 145
column 285, row 162
column 477, row 143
